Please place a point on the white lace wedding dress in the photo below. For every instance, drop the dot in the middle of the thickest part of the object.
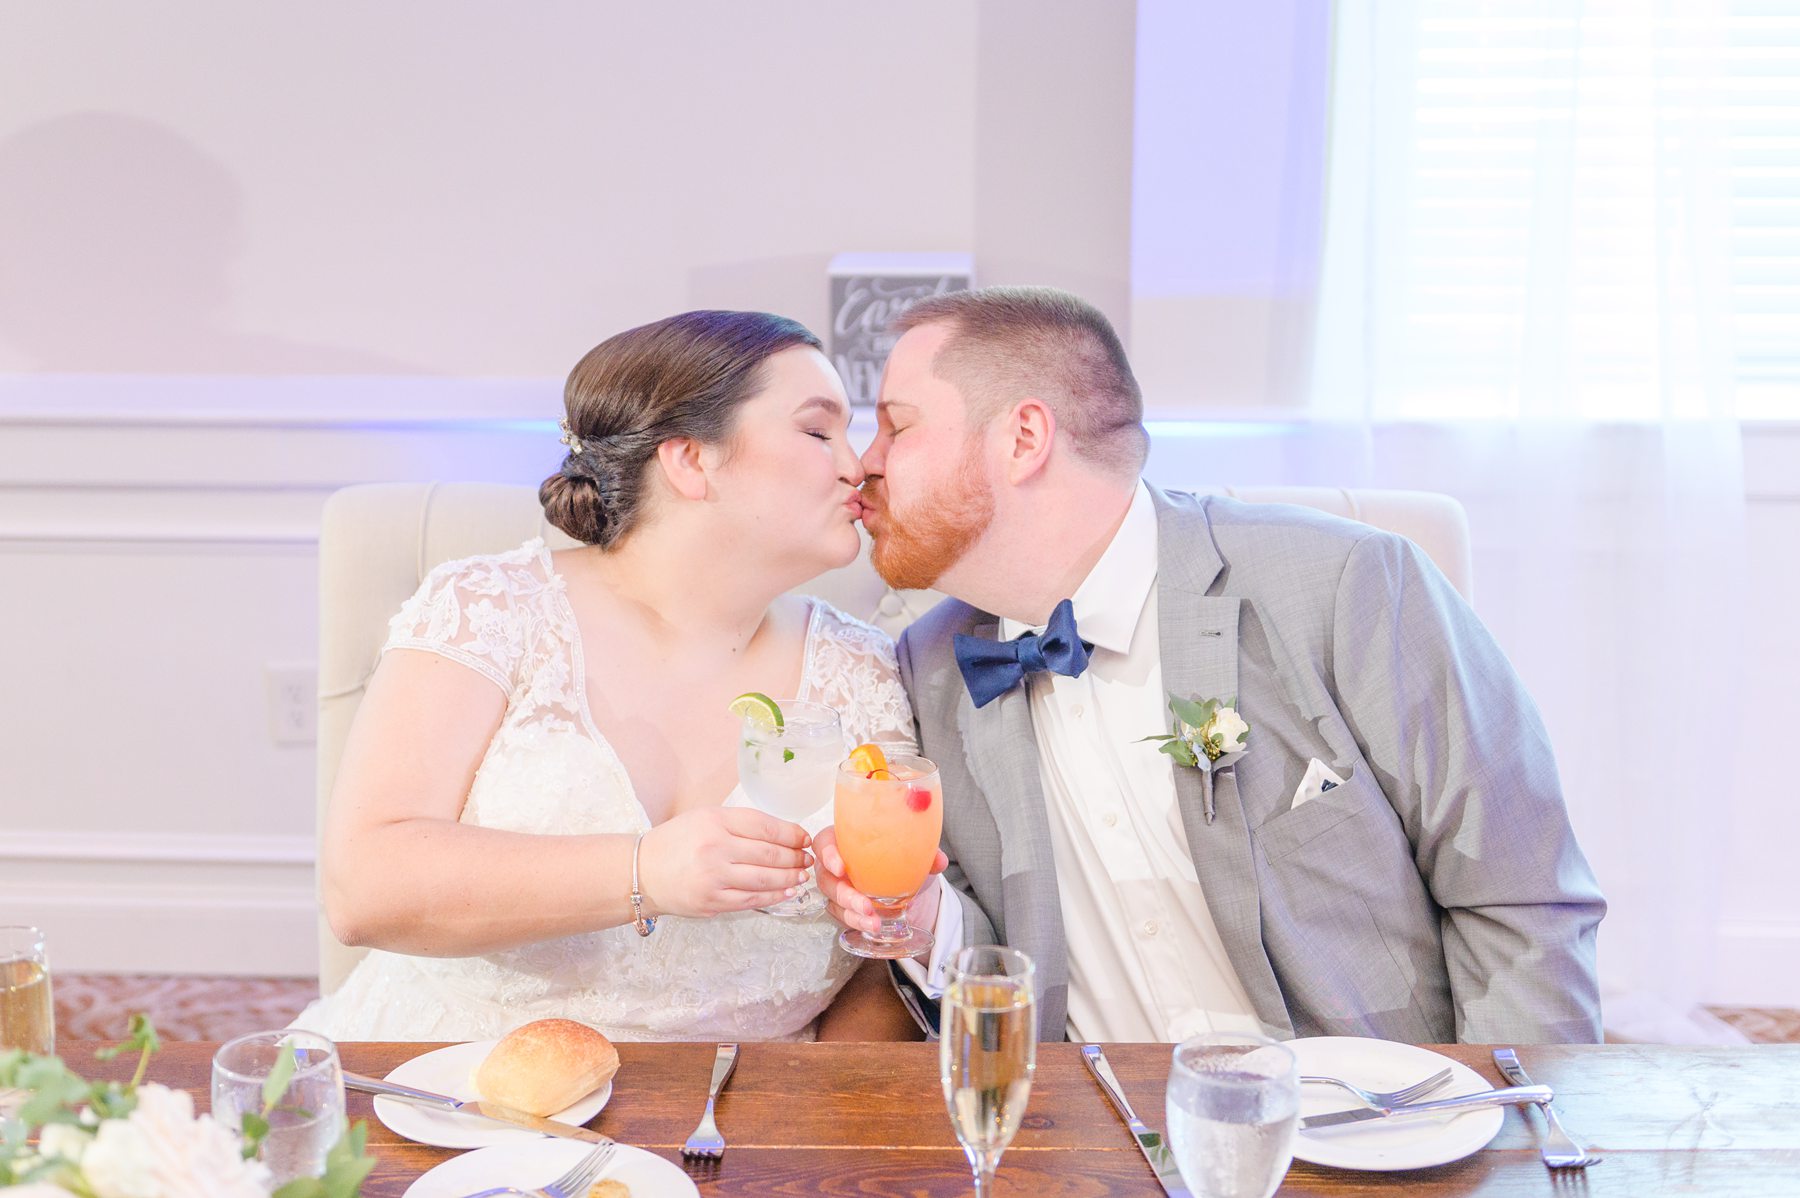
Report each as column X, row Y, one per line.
column 745, row 976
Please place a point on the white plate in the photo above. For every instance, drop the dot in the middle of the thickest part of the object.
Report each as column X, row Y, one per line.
column 542, row 1160
column 1415, row 1142
column 451, row 1071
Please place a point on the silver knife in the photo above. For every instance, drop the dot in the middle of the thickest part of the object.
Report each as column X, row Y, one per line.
column 493, row 1112
column 1162, row 1162
column 1507, row 1097
column 1558, row 1148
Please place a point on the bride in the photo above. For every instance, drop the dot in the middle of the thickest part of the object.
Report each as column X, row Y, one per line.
column 545, row 727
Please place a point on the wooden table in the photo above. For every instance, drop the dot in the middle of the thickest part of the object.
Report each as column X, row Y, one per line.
column 868, row 1120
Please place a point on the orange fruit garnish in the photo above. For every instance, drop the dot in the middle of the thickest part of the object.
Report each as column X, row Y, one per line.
column 867, row 759
column 880, row 775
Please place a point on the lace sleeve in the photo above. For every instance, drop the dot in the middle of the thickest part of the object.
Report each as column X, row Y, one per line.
column 854, row 670
column 467, row 611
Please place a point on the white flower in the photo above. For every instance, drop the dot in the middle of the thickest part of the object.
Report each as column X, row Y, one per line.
column 64, row 1141
column 1224, row 729
column 163, row 1151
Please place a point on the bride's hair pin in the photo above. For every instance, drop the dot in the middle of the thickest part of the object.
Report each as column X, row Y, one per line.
column 570, row 439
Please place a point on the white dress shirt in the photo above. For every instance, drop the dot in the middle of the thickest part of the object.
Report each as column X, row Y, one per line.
column 1145, row 959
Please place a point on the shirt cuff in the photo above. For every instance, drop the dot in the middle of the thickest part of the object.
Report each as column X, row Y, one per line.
column 946, row 934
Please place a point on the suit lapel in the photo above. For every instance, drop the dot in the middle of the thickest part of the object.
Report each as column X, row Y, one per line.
column 1198, row 635
column 1000, row 750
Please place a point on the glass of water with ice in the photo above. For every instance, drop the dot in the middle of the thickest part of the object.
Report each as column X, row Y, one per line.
column 788, row 759
column 305, row 1114
column 1233, row 1111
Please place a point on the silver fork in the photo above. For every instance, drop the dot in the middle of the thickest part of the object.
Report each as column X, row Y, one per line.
column 1558, row 1147
column 570, row 1185
column 706, row 1146
column 1398, row 1097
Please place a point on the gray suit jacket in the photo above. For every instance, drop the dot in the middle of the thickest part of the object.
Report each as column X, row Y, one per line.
column 1437, row 896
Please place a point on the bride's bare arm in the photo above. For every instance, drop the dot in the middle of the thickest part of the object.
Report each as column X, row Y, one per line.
column 400, row 872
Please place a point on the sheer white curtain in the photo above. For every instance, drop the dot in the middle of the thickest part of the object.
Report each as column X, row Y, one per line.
column 1527, row 302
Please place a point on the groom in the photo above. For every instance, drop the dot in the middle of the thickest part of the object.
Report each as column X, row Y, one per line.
column 1385, row 853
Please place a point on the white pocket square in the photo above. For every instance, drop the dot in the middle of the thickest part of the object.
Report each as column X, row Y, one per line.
column 1318, row 780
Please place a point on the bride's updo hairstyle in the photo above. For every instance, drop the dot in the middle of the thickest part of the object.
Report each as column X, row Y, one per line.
column 681, row 377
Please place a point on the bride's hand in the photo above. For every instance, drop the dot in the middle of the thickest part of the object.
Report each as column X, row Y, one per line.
column 851, row 907
column 720, row 859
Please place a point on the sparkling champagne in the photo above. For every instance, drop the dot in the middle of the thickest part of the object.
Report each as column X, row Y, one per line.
column 987, row 1055
column 26, row 1018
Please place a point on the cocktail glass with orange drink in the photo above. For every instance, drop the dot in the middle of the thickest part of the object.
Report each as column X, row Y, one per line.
column 889, row 813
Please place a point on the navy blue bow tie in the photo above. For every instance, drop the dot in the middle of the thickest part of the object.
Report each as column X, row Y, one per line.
column 991, row 668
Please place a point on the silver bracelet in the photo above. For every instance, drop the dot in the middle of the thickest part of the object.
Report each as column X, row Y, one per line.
column 645, row 924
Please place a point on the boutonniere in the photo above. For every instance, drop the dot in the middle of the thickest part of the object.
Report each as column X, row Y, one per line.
column 1209, row 734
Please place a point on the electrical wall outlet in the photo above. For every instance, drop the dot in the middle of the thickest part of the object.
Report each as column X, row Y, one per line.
column 293, row 703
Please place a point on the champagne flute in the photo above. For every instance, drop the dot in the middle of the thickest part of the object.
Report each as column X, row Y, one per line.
column 788, row 769
column 987, row 1052
column 27, row 1018
column 888, row 824
column 1233, row 1111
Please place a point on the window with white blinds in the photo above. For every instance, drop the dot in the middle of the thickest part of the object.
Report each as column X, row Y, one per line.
column 1604, row 195
column 1762, row 60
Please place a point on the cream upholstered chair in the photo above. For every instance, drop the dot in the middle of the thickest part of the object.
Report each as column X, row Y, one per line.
column 377, row 543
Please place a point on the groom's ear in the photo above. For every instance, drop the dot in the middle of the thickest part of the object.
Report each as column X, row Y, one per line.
column 683, row 463
column 1029, row 433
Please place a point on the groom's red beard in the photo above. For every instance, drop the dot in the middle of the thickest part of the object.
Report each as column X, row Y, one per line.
column 915, row 547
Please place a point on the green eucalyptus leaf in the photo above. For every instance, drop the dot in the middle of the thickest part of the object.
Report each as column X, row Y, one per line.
column 280, row 1074
column 1165, row 736
column 37, row 1073
column 12, row 1137
column 253, row 1129
column 347, row 1164
column 142, row 1039
column 50, row 1088
column 110, row 1100
column 1188, row 712
column 140, row 1036
column 1180, row 751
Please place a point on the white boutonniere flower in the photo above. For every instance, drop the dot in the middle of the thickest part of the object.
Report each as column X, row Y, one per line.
column 1209, row 734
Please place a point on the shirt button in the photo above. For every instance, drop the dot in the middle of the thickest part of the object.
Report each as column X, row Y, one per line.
column 1151, row 927
column 1078, row 710
column 1110, row 820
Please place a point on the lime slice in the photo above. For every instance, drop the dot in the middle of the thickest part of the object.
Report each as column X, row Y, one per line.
column 758, row 708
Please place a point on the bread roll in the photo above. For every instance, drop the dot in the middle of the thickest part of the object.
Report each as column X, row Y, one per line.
column 547, row 1066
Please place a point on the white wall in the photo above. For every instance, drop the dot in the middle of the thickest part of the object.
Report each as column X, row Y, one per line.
column 1228, row 165
column 452, row 187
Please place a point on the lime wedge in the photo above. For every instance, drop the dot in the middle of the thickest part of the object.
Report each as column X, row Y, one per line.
column 758, row 708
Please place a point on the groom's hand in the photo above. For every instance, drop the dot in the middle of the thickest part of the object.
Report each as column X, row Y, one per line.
column 851, row 907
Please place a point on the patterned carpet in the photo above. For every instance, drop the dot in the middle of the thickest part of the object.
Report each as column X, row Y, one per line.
column 183, row 1007
column 96, row 1007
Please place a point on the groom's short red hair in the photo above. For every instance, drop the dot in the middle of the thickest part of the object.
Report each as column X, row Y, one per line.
column 1011, row 343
